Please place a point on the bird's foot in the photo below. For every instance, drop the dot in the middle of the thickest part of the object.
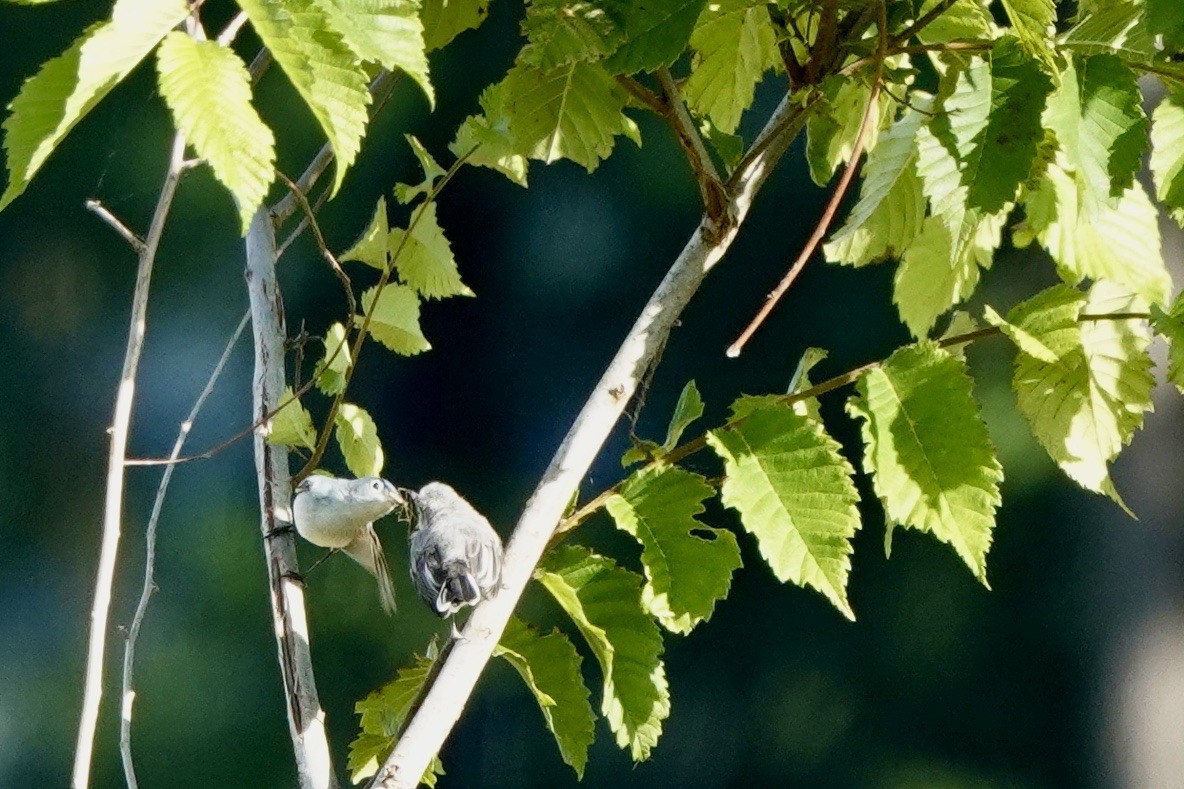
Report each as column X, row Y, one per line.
column 456, row 636
column 294, row 577
column 280, row 529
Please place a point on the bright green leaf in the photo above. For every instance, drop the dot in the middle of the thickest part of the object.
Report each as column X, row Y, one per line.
column 357, row 435
column 443, row 20
column 292, row 425
column 1034, row 22
column 1113, row 28
column 394, row 319
column 324, row 71
column 1167, row 153
column 567, row 31
column 550, row 667
column 927, row 450
column 486, row 139
column 792, row 487
column 371, row 248
column 387, row 32
column 208, row 90
column 1171, row 326
column 381, row 716
column 330, row 370
column 432, row 171
column 604, row 602
column 728, row 147
column 832, row 128
column 67, row 87
column 734, row 44
column 801, row 382
column 655, row 34
column 688, row 565
column 424, row 258
column 688, row 408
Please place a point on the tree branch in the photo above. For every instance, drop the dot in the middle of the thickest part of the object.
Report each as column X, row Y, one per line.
column 133, row 633
column 101, row 211
column 113, row 507
column 706, row 176
column 458, row 675
column 306, row 719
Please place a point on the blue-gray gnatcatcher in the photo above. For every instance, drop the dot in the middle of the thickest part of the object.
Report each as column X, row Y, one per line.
column 339, row 513
column 456, row 556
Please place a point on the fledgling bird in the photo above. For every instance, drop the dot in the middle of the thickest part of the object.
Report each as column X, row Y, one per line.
column 339, row 513
column 456, row 556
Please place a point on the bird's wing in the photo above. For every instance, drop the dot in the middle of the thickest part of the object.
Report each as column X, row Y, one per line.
column 366, row 550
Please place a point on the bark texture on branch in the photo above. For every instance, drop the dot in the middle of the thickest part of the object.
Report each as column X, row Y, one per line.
column 306, row 719
column 451, row 689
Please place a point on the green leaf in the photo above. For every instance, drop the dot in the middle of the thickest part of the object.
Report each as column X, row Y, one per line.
column 734, row 43
column 324, row 71
column 432, row 171
column 443, row 20
column 1086, row 406
column 927, row 449
column 728, row 147
column 569, row 31
column 1120, row 243
column 801, row 382
column 604, row 602
column 688, row 408
column 655, row 34
column 330, row 370
column 1118, row 28
column 292, row 425
column 1034, row 22
column 424, row 258
column 387, row 32
column 1027, row 342
column 486, row 139
column 357, row 435
column 381, row 716
column 831, row 130
column 571, row 112
column 963, row 20
column 394, row 319
column 891, row 207
column 208, row 90
column 67, row 87
column 1166, row 18
column 371, row 248
column 688, row 565
column 550, row 667
column 792, row 487
column 1167, row 153
column 1098, row 118
column 1171, row 326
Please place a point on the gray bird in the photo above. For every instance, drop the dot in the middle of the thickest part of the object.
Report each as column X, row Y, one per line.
column 339, row 513
column 456, row 556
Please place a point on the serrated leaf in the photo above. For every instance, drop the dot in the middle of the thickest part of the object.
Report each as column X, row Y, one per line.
column 604, row 602
column 371, row 248
column 1034, row 22
column 801, row 381
column 688, row 408
column 424, row 258
column 387, row 32
column 688, row 565
column 381, row 716
column 394, row 320
column 1118, row 28
column 891, row 207
column 792, row 487
column 324, row 71
column 292, row 425
column 208, row 90
column 357, row 436
column 1171, row 326
column 567, row 31
column 728, row 147
column 960, row 323
column 1120, row 243
column 831, row 129
column 963, row 20
column 66, row 88
column 1027, row 342
column 734, row 43
column 571, row 112
column 330, row 370
column 432, row 171
column 1085, row 407
column 1098, row 119
column 486, row 139
column 444, row 20
column 927, row 450
column 550, row 667
column 1167, row 153
column 655, row 34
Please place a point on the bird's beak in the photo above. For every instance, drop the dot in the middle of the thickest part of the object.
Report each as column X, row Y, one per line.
column 303, row 486
column 393, row 494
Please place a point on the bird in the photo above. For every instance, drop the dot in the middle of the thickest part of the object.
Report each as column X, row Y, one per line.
column 455, row 555
column 339, row 513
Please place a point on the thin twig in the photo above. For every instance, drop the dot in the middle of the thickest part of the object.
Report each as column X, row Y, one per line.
column 922, row 21
column 133, row 633
column 458, row 675
column 113, row 507
column 706, row 176
column 329, row 257
column 226, row 37
column 98, row 209
column 870, row 113
column 644, row 95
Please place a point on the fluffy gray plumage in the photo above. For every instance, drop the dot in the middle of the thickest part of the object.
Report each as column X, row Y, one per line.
column 456, row 556
column 339, row 513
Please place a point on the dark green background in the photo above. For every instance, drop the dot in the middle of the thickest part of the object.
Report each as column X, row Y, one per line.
column 939, row 683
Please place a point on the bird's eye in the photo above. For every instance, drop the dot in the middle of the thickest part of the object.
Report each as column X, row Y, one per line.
column 376, row 485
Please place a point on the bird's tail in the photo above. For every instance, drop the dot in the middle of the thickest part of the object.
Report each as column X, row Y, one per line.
column 458, row 589
column 366, row 550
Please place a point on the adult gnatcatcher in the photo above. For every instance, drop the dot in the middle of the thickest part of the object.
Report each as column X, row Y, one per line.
column 456, row 556
column 339, row 513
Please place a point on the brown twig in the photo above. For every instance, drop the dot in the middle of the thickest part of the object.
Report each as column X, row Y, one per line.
column 98, row 209
column 706, row 176
column 329, row 257
column 643, row 94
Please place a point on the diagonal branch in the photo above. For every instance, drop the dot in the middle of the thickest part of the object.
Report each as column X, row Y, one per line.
column 710, row 187
column 459, row 673
column 306, row 719
column 113, row 506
